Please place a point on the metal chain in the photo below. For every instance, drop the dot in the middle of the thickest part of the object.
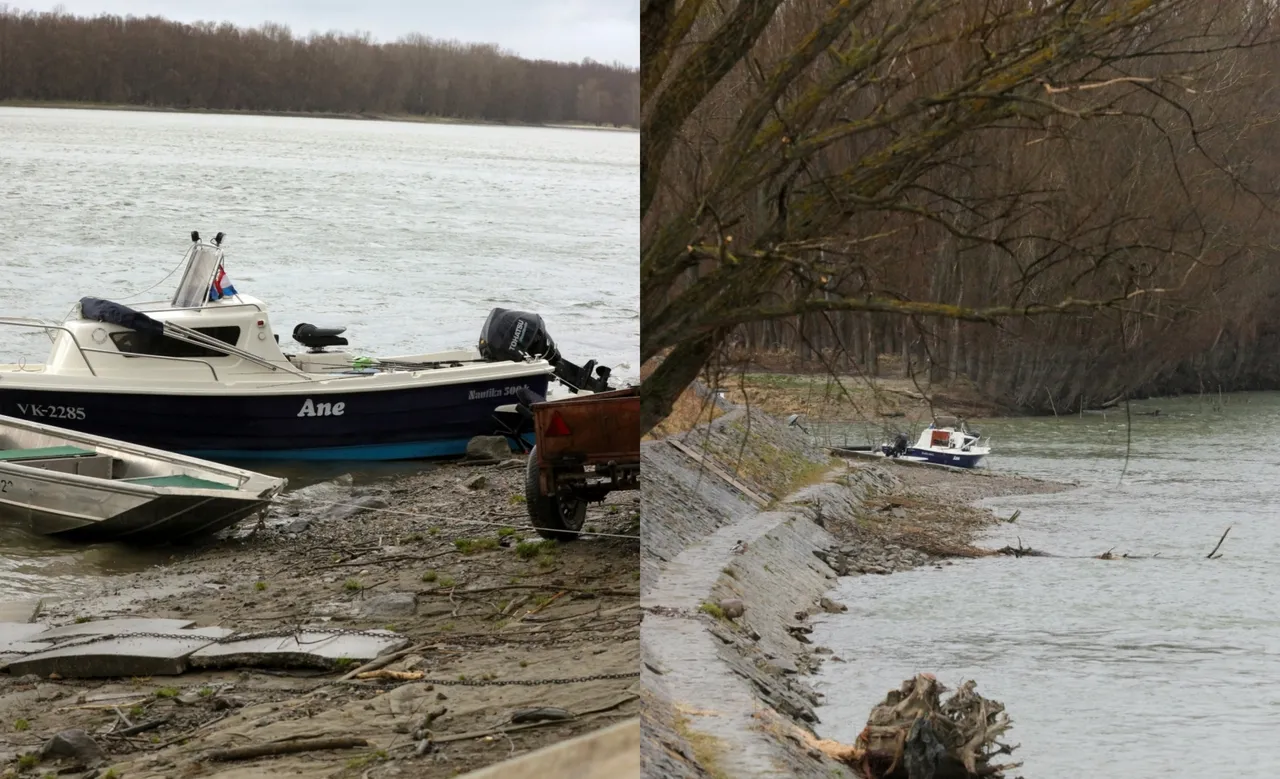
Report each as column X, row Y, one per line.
column 281, row 633
column 286, row 633
column 370, row 685
column 524, row 682
column 456, row 520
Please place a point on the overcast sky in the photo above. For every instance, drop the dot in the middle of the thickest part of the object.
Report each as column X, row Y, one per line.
column 567, row 30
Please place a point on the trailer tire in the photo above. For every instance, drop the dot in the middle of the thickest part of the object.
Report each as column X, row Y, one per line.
column 553, row 517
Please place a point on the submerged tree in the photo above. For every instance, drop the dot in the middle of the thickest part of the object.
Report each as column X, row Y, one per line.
column 870, row 168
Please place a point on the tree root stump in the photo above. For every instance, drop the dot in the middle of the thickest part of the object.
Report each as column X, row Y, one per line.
column 914, row 734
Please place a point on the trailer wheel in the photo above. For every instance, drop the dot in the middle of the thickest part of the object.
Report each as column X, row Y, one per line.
column 555, row 518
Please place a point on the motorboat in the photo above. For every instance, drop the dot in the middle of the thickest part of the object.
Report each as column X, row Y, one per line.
column 81, row 487
column 946, row 441
column 203, row 373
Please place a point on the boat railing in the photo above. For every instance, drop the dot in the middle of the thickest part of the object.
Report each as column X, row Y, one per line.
column 46, row 327
column 205, row 363
column 38, row 324
column 160, row 306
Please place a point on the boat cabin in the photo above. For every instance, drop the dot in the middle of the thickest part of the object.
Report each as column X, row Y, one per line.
column 947, row 433
column 89, row 342
column 209, row 333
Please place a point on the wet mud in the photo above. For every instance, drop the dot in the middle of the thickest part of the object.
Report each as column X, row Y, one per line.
column 514, row 642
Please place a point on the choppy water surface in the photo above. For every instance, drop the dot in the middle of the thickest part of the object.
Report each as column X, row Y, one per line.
column 1135, row 668
column 405, row 233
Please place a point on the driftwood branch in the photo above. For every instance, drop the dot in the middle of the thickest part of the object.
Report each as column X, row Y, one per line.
column 1219, row 546
column 285, row 748
column 141, row 727
column 382, row 673
column 603, row 592
column 382, row 662
column 1026, row 551
column 530, row 725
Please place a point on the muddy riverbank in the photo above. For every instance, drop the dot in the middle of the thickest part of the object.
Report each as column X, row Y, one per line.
column 763, row 522
column 499, row 622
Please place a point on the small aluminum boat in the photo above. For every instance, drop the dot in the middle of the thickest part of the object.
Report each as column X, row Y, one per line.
column 82, row 487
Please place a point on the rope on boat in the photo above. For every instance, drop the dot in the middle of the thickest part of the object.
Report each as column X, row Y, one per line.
column 444, row 518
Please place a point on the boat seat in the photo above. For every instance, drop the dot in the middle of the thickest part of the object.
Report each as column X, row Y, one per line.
column 178, row 480
column 306, row 329
column 319, row 337
column 44, row 453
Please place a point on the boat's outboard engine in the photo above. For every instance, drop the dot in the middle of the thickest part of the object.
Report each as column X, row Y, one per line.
column 518, row 335
column 899, row 446
column 515, row 335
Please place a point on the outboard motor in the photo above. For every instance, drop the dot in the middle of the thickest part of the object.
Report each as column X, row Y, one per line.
column 899, row 446
column 515, row 335
column 519, row 335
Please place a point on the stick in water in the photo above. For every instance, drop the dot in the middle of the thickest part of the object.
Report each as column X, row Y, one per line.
column 1220, row 540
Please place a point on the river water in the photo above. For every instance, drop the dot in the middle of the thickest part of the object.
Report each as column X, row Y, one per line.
column 1129, row 668
column 405, row 233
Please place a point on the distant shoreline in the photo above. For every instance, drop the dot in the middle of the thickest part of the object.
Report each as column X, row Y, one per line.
column 373, row 117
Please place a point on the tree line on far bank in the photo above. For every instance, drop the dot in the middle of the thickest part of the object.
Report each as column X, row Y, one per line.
column 155, row 62
column 1064, row 203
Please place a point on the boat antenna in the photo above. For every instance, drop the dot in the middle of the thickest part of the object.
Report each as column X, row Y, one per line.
column 195, row 236
column 217, row 239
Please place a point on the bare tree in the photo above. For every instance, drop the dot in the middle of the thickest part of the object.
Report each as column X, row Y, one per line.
column 910, row 174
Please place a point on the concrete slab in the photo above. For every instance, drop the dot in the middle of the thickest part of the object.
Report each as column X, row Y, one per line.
column 308, row 649
column 24, row 610
column 125, row 625
column 16, row 650
column 609, row 753
column 20, row 631
column 16, row 641
column 125, row 656
column 26, row 647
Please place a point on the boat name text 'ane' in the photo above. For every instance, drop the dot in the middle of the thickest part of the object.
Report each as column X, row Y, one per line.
column 495, row 392
column 312, row 409
column 52, row 412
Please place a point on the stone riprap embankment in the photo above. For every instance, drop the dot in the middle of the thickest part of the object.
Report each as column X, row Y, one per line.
column 705, row 541
column 729, row 581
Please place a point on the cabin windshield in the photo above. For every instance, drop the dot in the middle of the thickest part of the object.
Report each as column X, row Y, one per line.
column 202, row 264
column 160, row 345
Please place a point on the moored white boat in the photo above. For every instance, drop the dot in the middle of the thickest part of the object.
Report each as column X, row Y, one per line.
column 946, row 441
column 82, row 487
column 204, row 373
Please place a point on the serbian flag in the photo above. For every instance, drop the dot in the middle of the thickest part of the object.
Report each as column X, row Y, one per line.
column 222, row 286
